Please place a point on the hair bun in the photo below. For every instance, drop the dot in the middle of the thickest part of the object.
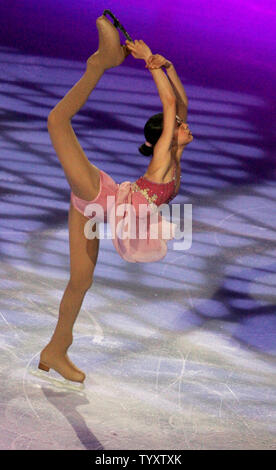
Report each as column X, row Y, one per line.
column 146, row 150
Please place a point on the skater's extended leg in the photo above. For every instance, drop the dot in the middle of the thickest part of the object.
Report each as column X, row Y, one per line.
column 82, row 176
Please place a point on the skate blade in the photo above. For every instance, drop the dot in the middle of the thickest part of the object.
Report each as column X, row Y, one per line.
column 117, row 23
column 61, row 384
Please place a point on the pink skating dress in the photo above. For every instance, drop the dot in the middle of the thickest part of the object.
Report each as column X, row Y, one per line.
column 138, row 235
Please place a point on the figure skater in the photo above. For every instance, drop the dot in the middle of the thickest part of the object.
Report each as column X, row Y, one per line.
column 166, row 134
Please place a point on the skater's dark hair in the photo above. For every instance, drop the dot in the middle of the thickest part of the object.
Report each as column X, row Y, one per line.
column 152, row 131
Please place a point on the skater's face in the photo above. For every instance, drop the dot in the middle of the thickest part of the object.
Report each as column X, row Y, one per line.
column 182, row 133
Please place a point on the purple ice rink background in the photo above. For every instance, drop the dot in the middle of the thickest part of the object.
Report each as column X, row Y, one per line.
column 179, row 354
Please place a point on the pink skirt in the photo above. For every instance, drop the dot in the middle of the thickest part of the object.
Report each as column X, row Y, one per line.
column 132, row 230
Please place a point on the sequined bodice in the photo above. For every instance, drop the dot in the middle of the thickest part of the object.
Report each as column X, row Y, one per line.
column 157, row 193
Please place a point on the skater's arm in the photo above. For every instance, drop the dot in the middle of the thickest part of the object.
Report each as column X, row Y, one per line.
column 157, row 61
column 179, row 91
column 164, row 86
column 140, row 50
column 177, row 85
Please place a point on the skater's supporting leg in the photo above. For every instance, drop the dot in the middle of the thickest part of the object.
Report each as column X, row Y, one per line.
column 83, row 259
